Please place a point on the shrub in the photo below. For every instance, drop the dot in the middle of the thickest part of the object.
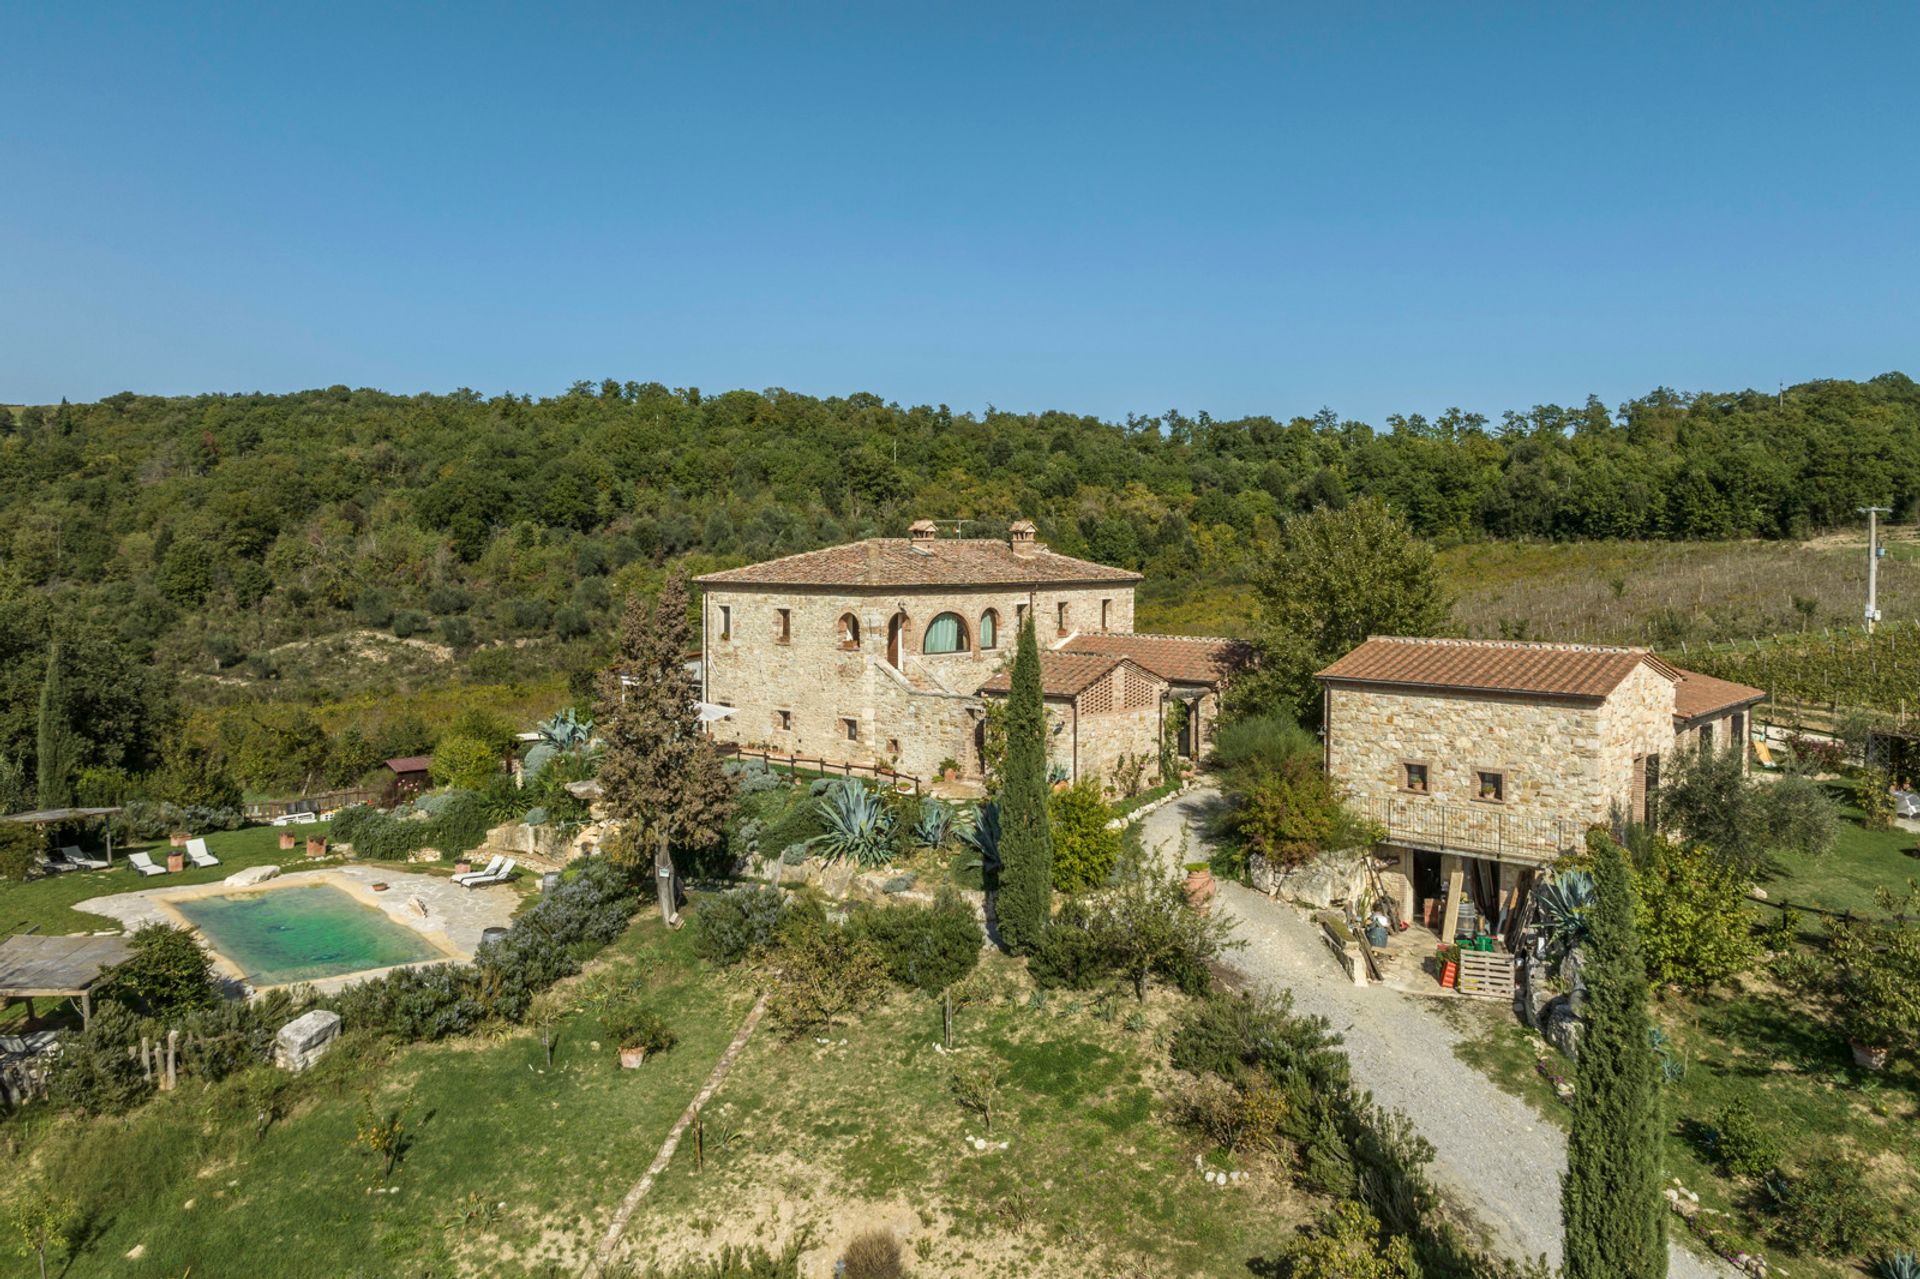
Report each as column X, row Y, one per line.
column 151, row 819
column 1244, row 1117
column 1084, row 848
column 924, row 947
column 735, row 925
column 1743, row 1147
column 95, row 1072
column 234, row 1034
column 19, row 849
column 1069, row 955
column 822, row 976
column 463, row 761
column 1263, row 743
column 739, row 1263
column 1870, row 978
column 1816, row 754
column 874, row 1254
column 167, row 973
column 859, row 825
column 1235, row 1036
column 1286, row 814
column 935, row 825
column 631, row 1025
column 1692, row 923
column 1824, row 1210
column 1347, row 1242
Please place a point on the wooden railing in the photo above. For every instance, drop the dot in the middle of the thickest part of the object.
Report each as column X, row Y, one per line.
column 1483, row 830
column 326, row 802
column 797, row 764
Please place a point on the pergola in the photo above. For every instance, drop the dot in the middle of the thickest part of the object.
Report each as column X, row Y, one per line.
column 57, row 968
column 61, row 816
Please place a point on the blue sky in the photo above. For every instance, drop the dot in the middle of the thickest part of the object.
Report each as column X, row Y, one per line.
column 1108, row 208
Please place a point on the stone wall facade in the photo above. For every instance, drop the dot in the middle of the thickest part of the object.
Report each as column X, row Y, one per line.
column 1089, row 735
column 1550, row 753
column 809, row 683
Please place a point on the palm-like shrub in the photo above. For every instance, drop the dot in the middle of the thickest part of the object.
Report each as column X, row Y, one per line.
column 1900, row 1265
column 1561, row 905
column 859, row 826
column 983, row 837
column 935, row 825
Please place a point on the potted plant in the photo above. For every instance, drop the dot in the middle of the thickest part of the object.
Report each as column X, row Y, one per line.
column 1200, row 885
column 179, row 838
column 288, row 839
column 637, row 1033
column 463, row 865
column 950, row 768
column 176, row 861
column 316, row 846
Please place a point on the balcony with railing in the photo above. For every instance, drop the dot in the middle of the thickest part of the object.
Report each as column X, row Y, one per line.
column 1473, row 830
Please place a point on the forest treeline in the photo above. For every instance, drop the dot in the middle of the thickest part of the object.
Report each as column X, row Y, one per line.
column 204, row 534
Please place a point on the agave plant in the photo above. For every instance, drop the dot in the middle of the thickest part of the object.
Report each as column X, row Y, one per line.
column 1898, row 1265
column 565, row 734
column 984, row 836
column 935, row 826
column 1561, row 905
column 859, row 825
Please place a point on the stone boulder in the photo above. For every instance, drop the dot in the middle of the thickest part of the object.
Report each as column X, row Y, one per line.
column 1262, row 874
column 1562, row 1026
column 1325, row 881
column 253, row 875
column 305, row 1039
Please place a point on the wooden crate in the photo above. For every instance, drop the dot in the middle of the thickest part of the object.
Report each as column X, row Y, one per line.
column 1487, row 974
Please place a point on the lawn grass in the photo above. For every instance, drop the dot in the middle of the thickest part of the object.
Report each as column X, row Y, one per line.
column 828, row 1139
column 186, row 1180
column 1852, row 875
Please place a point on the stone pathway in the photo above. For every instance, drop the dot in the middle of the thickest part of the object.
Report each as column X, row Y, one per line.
column 1494, row 1154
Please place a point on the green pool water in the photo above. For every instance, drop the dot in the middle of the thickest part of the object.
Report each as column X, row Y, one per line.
column 303, row 934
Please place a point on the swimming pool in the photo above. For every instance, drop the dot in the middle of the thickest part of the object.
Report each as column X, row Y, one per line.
column 281, row 935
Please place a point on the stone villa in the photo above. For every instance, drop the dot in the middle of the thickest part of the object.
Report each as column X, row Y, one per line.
column 885, row 651
column 1485, row 760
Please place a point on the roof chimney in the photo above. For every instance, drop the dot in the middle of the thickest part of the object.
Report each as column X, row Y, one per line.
column 922, row 530
column 1020, row 537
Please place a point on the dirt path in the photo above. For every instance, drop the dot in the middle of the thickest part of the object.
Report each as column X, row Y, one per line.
column 1495, row 1155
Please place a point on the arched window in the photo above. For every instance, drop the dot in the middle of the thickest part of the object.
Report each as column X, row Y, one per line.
column 990, row 629
column 946, row 634
column 849, row 631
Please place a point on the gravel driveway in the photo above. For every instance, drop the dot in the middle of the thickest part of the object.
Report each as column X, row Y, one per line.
column 1495, row 1155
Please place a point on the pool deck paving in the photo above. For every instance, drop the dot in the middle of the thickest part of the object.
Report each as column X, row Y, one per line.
column 449, row 916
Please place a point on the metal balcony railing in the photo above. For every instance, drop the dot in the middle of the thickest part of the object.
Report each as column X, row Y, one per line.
column 1478, row 830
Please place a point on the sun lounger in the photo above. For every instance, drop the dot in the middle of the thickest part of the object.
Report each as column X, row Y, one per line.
column 54, row 865
column 77, row 858
column 500, row 876
column 1761, row 754
column 492, row 867
column 197, row 853
column 144, row 864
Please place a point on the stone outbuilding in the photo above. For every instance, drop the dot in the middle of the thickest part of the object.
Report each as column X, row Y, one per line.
column 1103, row 715
column 1485, row 760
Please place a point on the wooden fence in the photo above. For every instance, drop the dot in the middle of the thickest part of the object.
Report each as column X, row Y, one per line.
column 325, row 802
column 798, row 764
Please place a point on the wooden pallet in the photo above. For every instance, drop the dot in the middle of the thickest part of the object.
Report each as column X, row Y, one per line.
column 1487, row 974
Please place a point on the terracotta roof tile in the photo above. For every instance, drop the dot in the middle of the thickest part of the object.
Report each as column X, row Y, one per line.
column 1061, row 674
column 897, row 561
column 1181, row 659
column 1698, row 695
column 1495, row 666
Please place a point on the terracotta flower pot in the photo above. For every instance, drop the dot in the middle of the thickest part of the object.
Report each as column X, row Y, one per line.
column 179, row 839
column 463, row 867
column 316, row 847
column 1200, row 888
column 632, row 1058
column 1869, row 1058
column 176, row 862
column 288, row 839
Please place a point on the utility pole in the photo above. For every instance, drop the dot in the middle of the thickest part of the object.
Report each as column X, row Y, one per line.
column 1873, row 514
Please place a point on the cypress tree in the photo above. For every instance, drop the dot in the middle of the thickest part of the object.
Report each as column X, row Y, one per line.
column 54, row 747
column 1610, row 1202
column 1024, row 899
